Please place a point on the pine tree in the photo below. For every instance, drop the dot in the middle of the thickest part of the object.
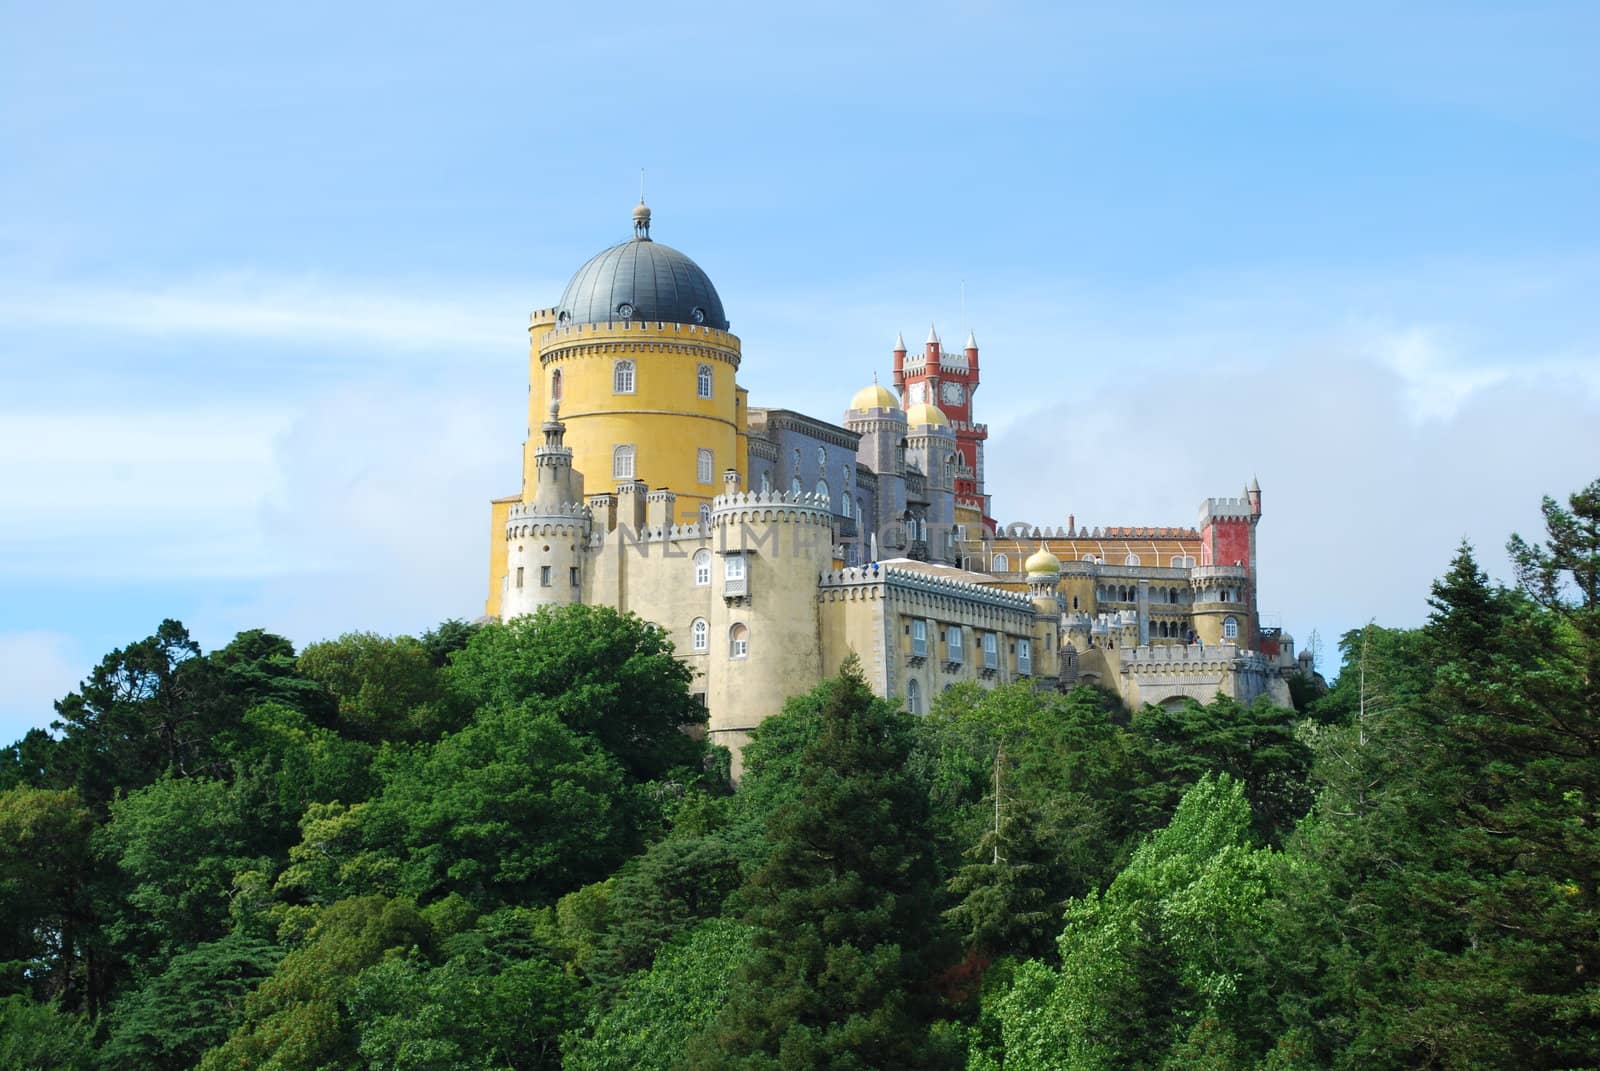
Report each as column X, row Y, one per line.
column 844, row 909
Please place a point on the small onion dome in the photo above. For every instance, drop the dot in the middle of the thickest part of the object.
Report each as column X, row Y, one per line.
column 924, row 413
column 1041, row 562
column 875, row 396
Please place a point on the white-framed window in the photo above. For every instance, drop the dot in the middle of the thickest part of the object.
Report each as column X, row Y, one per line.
column 733, row 567
column 991, row 651
column 795, row 486
column 738, row 641
column 1230, row 628
column 913, row 697
column 702, row 568
column 1001, row 564
column 822, row 491
column 766, row 482
column 702, row 381
column 1025, row 656
column 919, row 636
column 1131, row 559
column 952, row 641
column 699, row 635
column 702, row 465
column 622, row 462
column 622, row 377
column 705, row 515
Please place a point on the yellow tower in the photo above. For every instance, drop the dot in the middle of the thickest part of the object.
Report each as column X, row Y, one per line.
column 639, row 358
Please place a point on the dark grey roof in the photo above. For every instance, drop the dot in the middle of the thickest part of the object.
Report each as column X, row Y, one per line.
column 641, row 280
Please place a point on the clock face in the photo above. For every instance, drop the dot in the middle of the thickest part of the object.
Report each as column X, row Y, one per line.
column 953, row 393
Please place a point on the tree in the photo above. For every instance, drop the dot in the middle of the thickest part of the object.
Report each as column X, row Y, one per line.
column 605, row 675
column 515, row 808
column 1158, row 969
column 843, row 910
column 43, row 1037
column 192, row 1005
column 45, row 871
column 658, row 1011
column 147, row 709
column 385, row 688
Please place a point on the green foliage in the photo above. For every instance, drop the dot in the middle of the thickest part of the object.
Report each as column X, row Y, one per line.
column 295, row 1020
column 604, row 675
column 170, row 1021
column 45, row 868
column 844, row 908
column 385, row 688
column 41, row 1037
column 178, row 843
column 1155, row 972
column 658, row 1011
column 516, row 807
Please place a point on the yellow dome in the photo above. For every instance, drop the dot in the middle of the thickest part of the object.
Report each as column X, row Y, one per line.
column 923, row 413
column 1042, row 561
column 874, row 397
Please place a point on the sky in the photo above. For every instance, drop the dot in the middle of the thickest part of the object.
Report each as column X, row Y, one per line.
column 265, row 275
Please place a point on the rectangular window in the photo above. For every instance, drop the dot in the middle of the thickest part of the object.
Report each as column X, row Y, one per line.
column 733, row 567
column 919, row 638
column 991, row 651
column 519, row 576
column 1025, row 657
column 544, row 576
column 572, row 573
column 702, row 466
column 953, row 642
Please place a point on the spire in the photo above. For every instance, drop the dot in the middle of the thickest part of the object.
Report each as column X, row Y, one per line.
column 972, row 340
column 899, row 342
column 1255, row 485
column 933, row 336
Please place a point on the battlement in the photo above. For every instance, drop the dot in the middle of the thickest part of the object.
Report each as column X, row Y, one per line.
column 1026, row 530
column 1209, row 574
column 802, row 507
column 530, row 511
column 912, row 580
column 642, row 328
column 1136, row 658
column 1224, row 509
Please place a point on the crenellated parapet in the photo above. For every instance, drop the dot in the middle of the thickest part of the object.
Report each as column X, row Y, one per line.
column 1219, row 509
column 1183, row 656
column 618, row 337
column 766, row 507
column 526, row 519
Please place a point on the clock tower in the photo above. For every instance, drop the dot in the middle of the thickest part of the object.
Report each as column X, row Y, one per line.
column 948, row 379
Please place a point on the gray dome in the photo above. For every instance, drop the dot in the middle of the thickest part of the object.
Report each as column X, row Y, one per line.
column 641, row 280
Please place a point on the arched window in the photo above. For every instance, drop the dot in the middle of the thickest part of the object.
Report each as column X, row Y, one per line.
column 822, row 460
column 702, row 381
column 795, row 486
column 822, row 491
column 1131, row 559
column 1230, row 628
column 766, row 481
column 555, row 385
column 622, row 462
column 702, row 568
column 705, row 515
column 796, row 462
column 913, row 697
column 1001, row 564
column 738, row 641
column 702, row 465
column 622, row 377
column 699, row 635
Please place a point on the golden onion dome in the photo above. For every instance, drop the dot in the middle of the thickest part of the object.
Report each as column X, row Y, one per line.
column 925, row 413
column 1042, row 562
column 875, row 396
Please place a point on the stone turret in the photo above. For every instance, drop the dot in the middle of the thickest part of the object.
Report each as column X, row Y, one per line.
column 547, row 535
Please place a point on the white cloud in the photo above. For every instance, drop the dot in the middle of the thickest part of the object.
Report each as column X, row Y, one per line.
column 300, row 310
column 36, row 668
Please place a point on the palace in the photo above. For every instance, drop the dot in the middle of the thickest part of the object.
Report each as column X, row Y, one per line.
column 771, row 545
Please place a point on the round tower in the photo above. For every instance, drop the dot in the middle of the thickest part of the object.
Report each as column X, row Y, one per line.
column 1044, row 575
column 769, row 550
column 547, row 535
column 876, row 416
column 639, row 355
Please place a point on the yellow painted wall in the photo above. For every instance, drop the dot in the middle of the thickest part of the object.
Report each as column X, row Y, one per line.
column 497, row 552
column 663, row 418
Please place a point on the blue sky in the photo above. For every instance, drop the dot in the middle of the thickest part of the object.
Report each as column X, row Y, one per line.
column 264, row 275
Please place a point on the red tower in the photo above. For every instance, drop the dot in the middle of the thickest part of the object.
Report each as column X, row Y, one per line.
column 948, row 379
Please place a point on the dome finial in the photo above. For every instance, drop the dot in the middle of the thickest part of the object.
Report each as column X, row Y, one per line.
column 641, row 220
